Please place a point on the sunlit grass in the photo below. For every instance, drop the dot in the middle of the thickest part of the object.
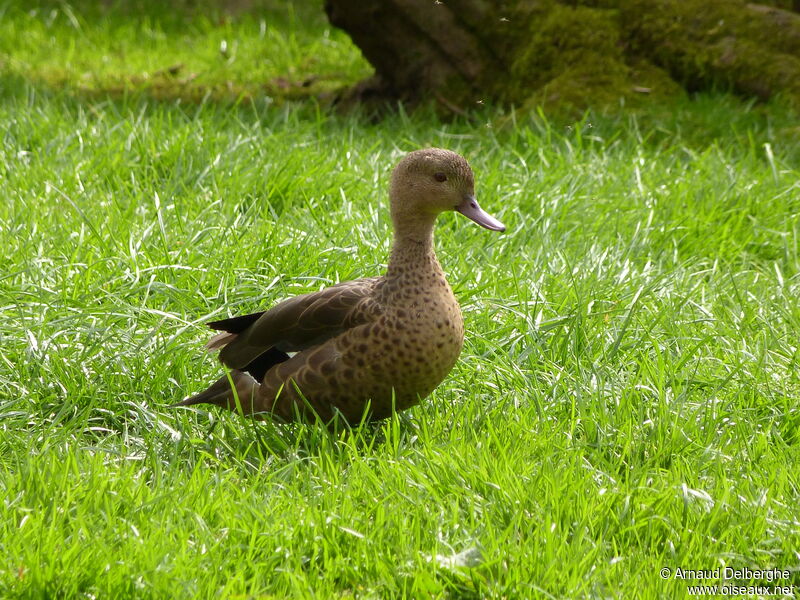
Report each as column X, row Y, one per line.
column 627, row 398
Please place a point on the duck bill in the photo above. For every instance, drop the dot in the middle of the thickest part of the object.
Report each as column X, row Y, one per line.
column 472, row 210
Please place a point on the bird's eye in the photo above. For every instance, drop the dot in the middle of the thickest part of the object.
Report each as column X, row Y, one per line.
column 440, row 177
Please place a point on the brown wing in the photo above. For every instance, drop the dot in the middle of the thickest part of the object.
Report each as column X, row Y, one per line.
column 304, row 321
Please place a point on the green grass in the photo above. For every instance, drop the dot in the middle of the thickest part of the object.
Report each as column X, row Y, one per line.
column 627, row 398
column 193, row 49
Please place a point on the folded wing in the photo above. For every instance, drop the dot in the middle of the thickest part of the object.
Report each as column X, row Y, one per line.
column 295, row 324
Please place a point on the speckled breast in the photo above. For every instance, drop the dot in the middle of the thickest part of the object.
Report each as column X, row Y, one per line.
column 401, row 357
column 424, row 346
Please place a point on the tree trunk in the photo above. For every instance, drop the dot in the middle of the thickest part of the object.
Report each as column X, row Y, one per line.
column 418, row 47
column 571, row 52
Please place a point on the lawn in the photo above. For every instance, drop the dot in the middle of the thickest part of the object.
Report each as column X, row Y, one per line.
column 627, row 398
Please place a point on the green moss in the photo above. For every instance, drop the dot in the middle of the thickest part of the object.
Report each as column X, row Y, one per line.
column 594, row 81
column 750, row 49
column 560, row 38
column 753, row 69
column 574, row 58
column 597, row 3
column 782, row 4
column 597, row 83
column 603, row 52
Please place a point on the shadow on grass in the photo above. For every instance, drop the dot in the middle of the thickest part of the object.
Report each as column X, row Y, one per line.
column 252, row 444
column 186, row 51
column 174, row 85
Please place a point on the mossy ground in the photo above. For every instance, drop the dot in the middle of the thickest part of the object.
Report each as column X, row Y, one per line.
column 633, row 52
column 572, row 56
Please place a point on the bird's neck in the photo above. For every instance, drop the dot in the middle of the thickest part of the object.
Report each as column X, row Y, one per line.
column 413, row 253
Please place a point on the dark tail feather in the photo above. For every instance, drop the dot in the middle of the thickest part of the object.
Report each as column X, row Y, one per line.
column 235, row 324
column 220, row 393
column 259, row 366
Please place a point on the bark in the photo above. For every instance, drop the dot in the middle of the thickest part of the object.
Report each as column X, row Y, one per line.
column 578, row 52
column 417, row 46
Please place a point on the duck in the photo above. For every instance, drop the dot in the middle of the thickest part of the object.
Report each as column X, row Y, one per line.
column 358, row 350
